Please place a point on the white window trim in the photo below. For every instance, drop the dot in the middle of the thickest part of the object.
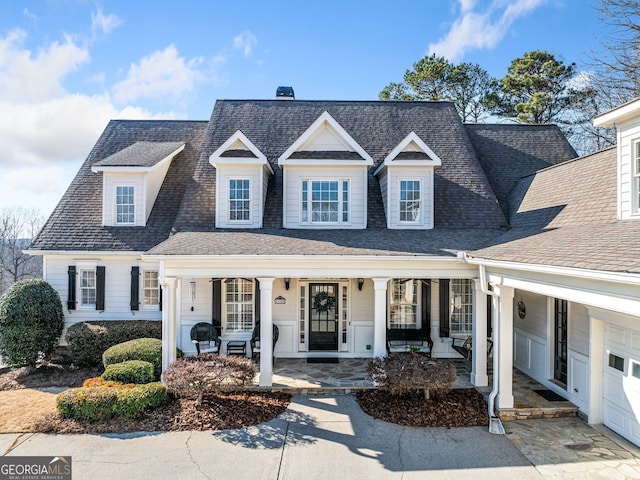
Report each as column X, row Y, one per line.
column 239, row 222
column 420, row 220
column 340, row 181
column 418, row 324
column 81, row 267
column 635, row 177
column 225, row 311
column 451, row 306
column 152, row 307
column 115, row 204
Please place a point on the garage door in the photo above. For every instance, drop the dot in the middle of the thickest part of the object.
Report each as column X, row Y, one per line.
column 622, row 382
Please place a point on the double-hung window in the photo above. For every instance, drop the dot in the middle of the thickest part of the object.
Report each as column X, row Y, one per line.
column 125, row 206
column 410, row 201
column 239, row 305
column 636, row 177
column 461, row 306
column 150, row 288
column 403, row 303
column 325, row 201
column 239, row 200
column 87, row 288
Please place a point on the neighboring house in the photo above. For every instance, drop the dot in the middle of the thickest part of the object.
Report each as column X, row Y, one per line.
column 339, row 220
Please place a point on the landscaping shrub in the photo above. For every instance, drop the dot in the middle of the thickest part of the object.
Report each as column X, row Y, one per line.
column 403, row 373
column 106, row 401
column 193, row 377
column 131, row 371
column 31, row 322
column 147, row 349
column 88, row 340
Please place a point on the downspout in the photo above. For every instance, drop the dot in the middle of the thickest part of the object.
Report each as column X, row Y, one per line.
column 495, row 425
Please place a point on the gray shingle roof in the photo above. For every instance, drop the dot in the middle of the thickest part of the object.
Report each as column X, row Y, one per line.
column 76, row 222
column 326, row 242
column 565, row 216
column 140, row 154
column 463, row 196
column 509, row 152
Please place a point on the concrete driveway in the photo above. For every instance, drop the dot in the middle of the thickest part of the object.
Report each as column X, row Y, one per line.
column 316, row 438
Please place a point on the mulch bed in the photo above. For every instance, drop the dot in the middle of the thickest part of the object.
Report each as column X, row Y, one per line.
column 458, row 408
column 217, row 412
column 46, row 375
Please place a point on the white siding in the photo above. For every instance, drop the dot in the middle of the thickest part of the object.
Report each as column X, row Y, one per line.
column 153, row 183
column 382, row 179
column 255, row 174
column 394, row 175
column 111, row 180
column 535, row 321
column 578, row 328
column 629, row 134
column 117, row 288
column 326, row 139
column 357, row 195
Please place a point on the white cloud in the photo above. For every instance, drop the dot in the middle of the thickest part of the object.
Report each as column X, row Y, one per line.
column 481, row 30
column 30, row 15
column 101, row 23
column 160, row 74
column 246, row 42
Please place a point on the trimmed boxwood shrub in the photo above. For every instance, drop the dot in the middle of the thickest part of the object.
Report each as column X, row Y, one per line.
column 31, row 322
column 88, row 340
column 103, row 402
column 131, row 371
column 147, row 349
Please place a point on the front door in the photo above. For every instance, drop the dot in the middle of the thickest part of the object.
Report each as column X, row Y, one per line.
column 560, row 341
column 323, row 316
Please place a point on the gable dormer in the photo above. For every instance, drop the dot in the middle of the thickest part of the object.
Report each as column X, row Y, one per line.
column 406, row 183
column 626, row 120
column 325, row 178
column 242, row 175
column 131, row 180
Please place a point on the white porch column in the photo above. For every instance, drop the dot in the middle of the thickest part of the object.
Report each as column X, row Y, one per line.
column 596, row 369
column 504, row 344
column 380, row 317
column 266, row 331
column 479, row 376
column 169, row 297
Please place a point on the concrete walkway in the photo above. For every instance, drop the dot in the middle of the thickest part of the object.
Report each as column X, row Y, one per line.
column 318, row 437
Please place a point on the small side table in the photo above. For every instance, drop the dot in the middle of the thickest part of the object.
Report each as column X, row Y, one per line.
column 237, row 347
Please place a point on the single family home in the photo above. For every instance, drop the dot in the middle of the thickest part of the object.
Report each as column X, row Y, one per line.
column 344, row 222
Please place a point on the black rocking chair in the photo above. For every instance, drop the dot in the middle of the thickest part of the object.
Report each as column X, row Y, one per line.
column 255, row 341
column 205, row 337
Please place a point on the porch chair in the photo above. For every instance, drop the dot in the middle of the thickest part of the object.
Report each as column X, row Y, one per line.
column 255, row 341
column 465, row 347
column 205, row 337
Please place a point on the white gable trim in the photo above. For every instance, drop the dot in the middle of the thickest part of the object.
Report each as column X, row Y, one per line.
column 621, row 114
column 412, row 137
column 216, row 157
column 118, row 169
column 312, row 130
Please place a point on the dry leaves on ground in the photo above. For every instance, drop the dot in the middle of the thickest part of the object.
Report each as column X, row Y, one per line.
column 21, row 410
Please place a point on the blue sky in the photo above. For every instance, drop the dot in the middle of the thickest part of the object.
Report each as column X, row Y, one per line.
column 68, row 66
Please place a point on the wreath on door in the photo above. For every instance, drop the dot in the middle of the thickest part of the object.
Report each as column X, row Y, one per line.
column 322, row 302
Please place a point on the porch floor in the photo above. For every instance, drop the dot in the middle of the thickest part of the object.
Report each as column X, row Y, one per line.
column 350, row 374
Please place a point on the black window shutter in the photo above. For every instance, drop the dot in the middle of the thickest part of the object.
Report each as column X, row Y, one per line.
column 71, row 295
column 216, row 314
column 426, row 307
column 444, row 308
column 489, row 313
column 100, row 288
column 135, row 288
column 257, row 302
column 160, row 298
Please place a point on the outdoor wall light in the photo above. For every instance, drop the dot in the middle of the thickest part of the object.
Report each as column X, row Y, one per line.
column 287, row 283
column 360, row 283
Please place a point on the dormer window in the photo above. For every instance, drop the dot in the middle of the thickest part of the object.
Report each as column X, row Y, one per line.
column 239, row 200
column 410, row 210
column 324, row 201
column 125, row 205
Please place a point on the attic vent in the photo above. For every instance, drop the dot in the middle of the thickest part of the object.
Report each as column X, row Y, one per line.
column 285, row 93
